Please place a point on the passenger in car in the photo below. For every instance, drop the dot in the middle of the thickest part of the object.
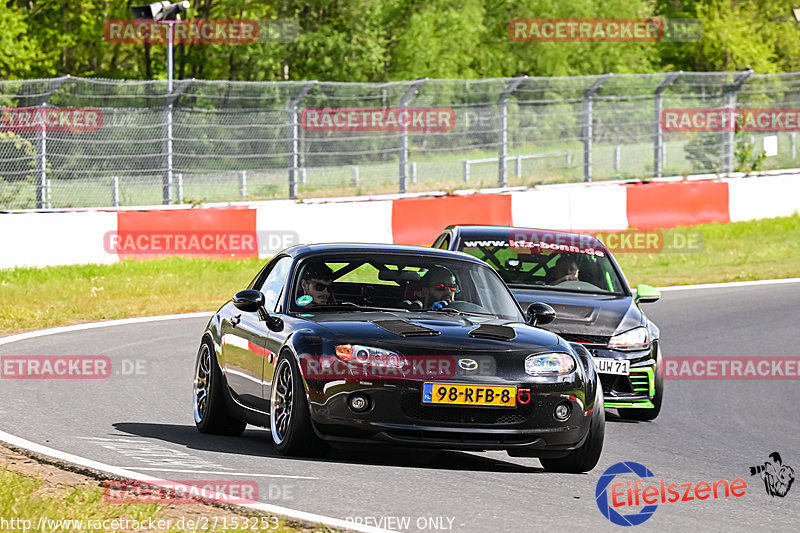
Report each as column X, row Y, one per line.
column 439, row 287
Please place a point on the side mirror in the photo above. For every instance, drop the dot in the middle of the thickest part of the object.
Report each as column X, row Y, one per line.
column 539, row 314
column 647, row 294
column 248, row 300
column 252, row 301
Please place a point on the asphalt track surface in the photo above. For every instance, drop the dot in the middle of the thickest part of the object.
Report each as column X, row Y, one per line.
column 708, row 430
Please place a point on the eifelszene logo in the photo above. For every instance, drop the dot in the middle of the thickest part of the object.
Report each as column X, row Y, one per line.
column 778, row 477
column 627, row 493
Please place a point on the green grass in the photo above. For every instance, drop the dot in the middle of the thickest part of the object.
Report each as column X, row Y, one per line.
column 33, row 298
column 24, row 500
column 737, row 251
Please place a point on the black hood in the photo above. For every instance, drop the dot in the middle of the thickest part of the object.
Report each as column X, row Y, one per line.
column 585, row 314
column 428, row 330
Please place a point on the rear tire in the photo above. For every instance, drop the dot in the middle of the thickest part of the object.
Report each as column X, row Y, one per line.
column 289, row 414
column 210, row 414
column 647, row 414
column 585, row 458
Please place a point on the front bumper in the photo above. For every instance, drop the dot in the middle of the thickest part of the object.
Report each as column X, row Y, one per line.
column 635, row 390
column 397, row 416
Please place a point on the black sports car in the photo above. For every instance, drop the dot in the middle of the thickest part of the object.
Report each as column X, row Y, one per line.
column 577, row 275
column 396, row 344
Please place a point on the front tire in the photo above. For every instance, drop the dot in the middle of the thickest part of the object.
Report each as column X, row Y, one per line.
column 289, row 415
column 210, row 414
column 585, row 458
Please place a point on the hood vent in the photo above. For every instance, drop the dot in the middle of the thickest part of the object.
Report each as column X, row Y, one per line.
column 405, row 329
column 491, row 331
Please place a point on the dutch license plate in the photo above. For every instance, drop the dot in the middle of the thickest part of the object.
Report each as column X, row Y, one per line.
column 457, row 394
column 621, row 367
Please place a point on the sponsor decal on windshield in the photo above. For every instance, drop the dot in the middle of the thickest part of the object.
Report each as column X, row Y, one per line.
column 544, row 242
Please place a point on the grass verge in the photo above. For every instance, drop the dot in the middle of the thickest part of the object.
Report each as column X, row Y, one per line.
column 33, row 298
column 43, row 497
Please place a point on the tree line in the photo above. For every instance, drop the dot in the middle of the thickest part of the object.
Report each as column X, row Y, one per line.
column 387, row 40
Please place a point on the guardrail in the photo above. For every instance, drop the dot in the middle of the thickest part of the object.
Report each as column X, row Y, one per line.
column 468, row 162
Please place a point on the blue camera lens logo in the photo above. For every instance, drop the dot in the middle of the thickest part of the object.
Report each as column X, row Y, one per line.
column 602, row 498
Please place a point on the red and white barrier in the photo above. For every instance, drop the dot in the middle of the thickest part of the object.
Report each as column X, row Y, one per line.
column 80, row 236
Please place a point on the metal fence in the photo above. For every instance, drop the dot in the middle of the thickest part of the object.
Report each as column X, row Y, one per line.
column 225, row 141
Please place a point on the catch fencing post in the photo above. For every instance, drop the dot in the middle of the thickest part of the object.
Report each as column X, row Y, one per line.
column 502, row 134
column 42, row 193
column 354, row 175
column 793, row 137
column 616, row 158
column 519, row 166
column 41, row 162
column 659, row 150
column 171, row 98
column 587, row 125
column 115, row 191
column 243, row 184
column 413, row 172
column 728, row 145
column 466, row 170
column 410, row 92
column 294, row 142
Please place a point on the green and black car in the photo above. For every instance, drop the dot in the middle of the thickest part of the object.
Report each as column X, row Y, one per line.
column 577, row 275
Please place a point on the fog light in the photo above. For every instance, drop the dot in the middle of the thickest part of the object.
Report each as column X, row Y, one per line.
column 359, row 403
column 562, row 412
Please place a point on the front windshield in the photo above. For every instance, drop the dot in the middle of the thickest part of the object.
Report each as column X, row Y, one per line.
column 579, row 266
column 400, row 282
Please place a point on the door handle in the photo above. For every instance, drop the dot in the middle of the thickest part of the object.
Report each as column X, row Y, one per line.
column 235, row 320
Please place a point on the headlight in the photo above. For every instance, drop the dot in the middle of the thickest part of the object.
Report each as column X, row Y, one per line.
column 368, row 355
column 549, row 363
column 634, row 339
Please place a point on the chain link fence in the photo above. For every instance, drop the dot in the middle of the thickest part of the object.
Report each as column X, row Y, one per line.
column 233, row 141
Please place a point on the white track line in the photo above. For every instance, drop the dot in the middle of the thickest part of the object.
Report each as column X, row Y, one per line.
column 730, row 284
column 216, row 473
column 104, row 324
column 130, row 474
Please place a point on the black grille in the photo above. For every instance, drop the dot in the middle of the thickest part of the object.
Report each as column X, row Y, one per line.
column 587, row 339
column 615, row 383
column 608, row 382
column 464, row 415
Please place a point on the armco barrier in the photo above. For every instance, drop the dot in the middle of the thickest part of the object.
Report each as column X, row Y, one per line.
column 75, row 237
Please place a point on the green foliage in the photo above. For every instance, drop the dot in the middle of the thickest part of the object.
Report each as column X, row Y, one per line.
column 17, row 165
column 375, row 41
column 744, row 158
